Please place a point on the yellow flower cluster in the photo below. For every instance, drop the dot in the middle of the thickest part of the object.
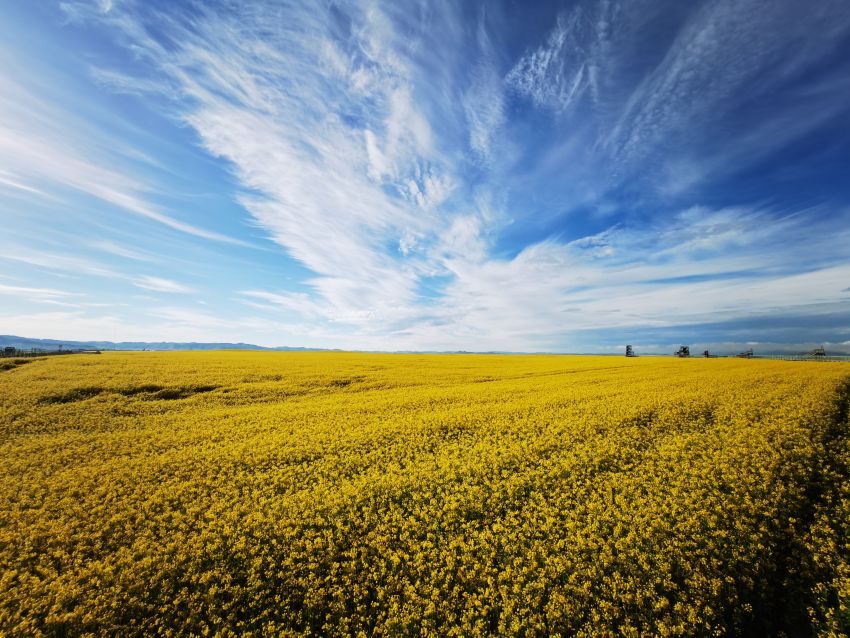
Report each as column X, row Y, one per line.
column 225, row 493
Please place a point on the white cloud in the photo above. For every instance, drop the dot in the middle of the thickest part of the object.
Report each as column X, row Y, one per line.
column 704, row 266
column 335, row 192
column 64, row 264
column 119, row 250
column 122, row 83
column 160, row 284
column 8, row 179
column 561, row 71
column 37, row 138
column 300, row 304
column 674, row 119
column 483, row 101
column 725, row 50
column 35, row 294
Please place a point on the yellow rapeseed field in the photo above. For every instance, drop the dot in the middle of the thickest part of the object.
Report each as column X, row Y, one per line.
column 391, row 495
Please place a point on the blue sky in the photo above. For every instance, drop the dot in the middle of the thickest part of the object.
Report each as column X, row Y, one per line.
column 427, row 175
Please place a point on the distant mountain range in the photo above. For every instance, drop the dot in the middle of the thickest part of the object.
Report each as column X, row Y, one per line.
column 24, row 343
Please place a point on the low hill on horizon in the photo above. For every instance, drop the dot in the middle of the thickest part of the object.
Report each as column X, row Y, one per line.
column 26, row 343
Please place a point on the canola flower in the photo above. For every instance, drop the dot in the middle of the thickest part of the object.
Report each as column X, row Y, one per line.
column 245, row 493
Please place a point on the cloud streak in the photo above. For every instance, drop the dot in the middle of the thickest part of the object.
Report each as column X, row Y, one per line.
column 160, row 284
column 43, row 151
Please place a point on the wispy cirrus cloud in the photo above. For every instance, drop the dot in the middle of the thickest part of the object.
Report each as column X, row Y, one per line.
column 160, row 284
column 703, row 266
column 36, row 294
column 338, row 185
column 484, row 99
column 10, row 180
column 114, row 248
column 561, row 71
column 700, row 269
column 679, row 112
column 60, row 263
column 75, row 267
column 724, row 50
column 37, row 138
